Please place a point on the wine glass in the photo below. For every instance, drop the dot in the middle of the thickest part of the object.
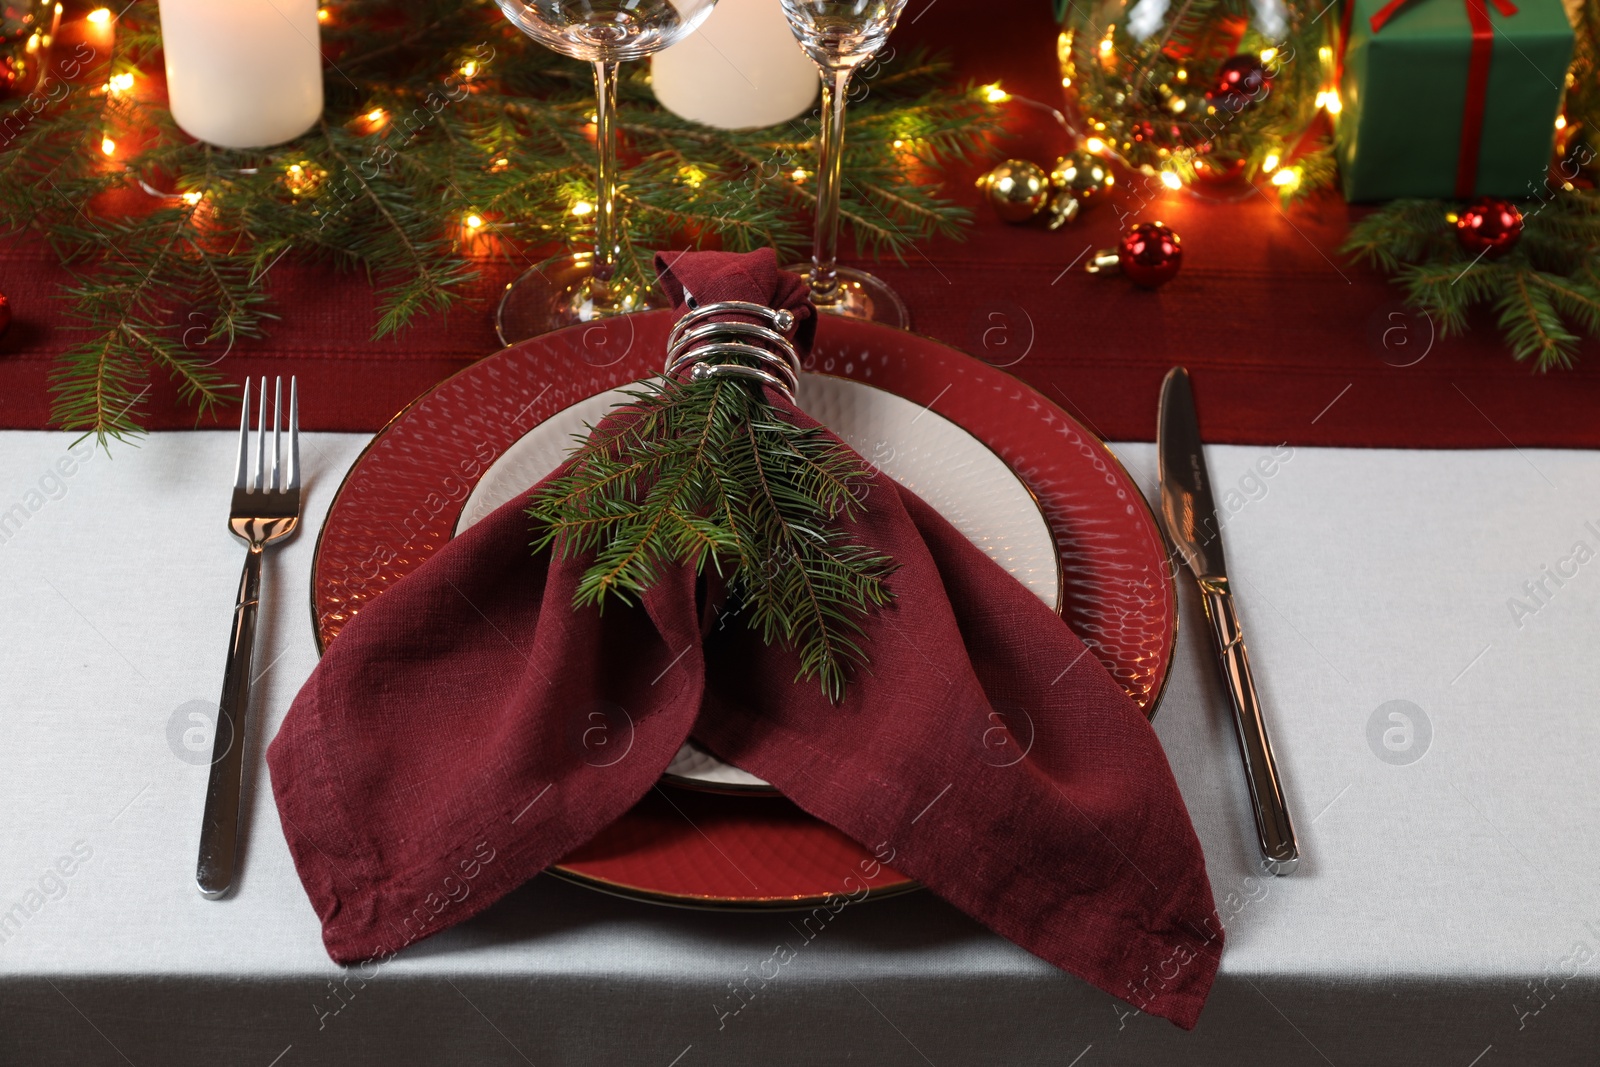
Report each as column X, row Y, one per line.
column 583, row 287
column 839, row 36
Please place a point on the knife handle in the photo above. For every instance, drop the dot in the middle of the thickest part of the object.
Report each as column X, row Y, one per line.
column 1280, row 853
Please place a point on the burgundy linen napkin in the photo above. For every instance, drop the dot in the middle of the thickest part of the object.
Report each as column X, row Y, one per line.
column 435, row 760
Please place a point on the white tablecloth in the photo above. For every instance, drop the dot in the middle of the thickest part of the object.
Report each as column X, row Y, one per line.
column 1445, row 912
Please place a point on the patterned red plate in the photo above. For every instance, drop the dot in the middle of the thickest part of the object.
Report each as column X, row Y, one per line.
column 400, row 501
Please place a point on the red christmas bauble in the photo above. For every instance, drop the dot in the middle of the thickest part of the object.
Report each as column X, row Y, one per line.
column 1241, row 80
column 1150, row 254
column 1489, row 226
column 8, row 74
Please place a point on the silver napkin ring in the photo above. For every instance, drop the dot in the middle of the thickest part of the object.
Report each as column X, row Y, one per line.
column 696, row 341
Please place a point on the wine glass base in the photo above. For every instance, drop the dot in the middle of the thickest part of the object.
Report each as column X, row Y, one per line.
column 862, row 296
column 560, row 293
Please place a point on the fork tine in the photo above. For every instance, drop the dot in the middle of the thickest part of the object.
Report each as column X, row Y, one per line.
column 294, row 433
column 277, row 422
column 241, row 471
column 261, row 436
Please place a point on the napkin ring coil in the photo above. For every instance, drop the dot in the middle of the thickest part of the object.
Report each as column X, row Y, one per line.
column 696, row 342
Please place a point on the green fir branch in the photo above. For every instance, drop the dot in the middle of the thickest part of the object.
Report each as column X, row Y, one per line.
column 387, row 201
column 706, row 476
column 1544, row 291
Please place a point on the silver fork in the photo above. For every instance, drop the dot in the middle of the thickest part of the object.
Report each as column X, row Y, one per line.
column 266, row 510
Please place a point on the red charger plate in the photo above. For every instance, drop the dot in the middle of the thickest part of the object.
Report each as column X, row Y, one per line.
column 401, row 499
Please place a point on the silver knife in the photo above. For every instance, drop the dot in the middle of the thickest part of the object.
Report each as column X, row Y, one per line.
column 1190, row 516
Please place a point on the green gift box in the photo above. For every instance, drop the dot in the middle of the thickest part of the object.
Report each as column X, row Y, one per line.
column 1438, row 78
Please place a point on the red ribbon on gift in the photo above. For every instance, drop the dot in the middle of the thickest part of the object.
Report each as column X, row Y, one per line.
column 1477, row 83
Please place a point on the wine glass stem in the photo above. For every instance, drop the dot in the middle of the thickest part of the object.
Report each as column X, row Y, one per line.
column 825, row 238
column 605, row 208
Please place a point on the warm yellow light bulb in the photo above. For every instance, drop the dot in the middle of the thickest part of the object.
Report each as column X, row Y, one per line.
column 324, row 15
column 100, row 16
column 1270, row 164
column 1171, row 180
column 1287, row 178
column 1095, row 145
column 193, row 198
column 1331, row 104
column 994, row 94
column 1561, row 122
column 468, row 69
column 474, row 222
column 119, row 83
column 582, row 208
column 1268, row 55
column 799, row 174
column 108, row 146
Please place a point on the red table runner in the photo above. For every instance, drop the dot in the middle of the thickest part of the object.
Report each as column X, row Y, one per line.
column 1286, row 339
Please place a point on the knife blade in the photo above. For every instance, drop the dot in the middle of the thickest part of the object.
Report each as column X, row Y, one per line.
column 1189, row 513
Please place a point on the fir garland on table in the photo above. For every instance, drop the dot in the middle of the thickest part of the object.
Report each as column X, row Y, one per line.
column 707, row 474
column 1542, row 291
column 447, row 137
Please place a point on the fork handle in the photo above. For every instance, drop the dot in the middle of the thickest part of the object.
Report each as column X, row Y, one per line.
column 219, row 829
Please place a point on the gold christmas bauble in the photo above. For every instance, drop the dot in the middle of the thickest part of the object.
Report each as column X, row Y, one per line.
column 1077, row 179
column 1064, row 208
column 1082, row 174
column 1016, row 189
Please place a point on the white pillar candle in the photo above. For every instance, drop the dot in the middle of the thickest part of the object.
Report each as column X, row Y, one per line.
column 242, row 73
column 100, row 31
column 742, row 69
